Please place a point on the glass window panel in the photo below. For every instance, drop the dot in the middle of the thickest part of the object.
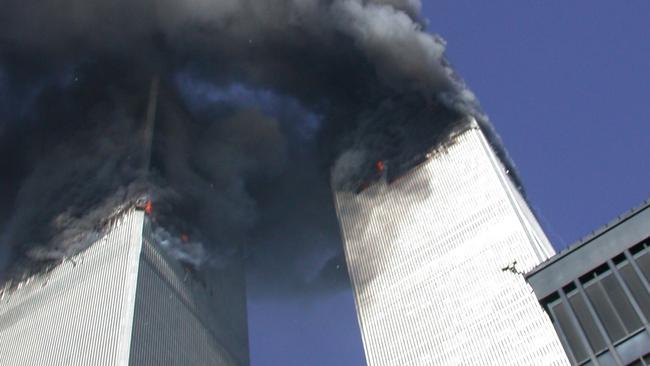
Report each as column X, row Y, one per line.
column 587, row 322
column 605, row 312
column 638, row 289
column 572, row 337
column 644, row 263
column 622, row 303
column 606, row 359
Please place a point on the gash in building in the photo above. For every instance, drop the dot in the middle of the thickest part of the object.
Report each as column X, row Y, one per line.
column 598, row 293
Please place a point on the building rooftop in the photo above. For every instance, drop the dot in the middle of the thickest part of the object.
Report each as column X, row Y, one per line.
column 592, row 236
column 593, row 250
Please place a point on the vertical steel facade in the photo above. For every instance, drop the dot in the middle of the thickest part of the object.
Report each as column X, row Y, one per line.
column 180, row 320
column 124, row 302
column 432, row 259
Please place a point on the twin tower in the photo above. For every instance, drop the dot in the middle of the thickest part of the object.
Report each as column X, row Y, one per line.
column 435, row 259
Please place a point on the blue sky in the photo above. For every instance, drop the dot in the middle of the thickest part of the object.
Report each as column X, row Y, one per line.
column 567, row 86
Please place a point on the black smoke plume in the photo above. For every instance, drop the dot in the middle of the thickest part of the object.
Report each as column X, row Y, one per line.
column 260, row 103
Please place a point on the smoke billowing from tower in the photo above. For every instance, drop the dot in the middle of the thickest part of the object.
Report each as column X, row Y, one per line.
column 257, row 100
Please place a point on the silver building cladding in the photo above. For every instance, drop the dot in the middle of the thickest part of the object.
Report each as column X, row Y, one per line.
column 435, row 260
column 125, row 302
column 597, row 293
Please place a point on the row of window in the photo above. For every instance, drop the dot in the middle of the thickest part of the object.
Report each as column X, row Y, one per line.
column 605, row 307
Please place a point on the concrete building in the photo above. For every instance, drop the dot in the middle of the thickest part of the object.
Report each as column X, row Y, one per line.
column 123, row 301
column 435, row 260
column 597, row 293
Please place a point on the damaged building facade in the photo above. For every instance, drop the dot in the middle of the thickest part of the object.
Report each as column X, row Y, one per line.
column 124, row 301
column 435, row 259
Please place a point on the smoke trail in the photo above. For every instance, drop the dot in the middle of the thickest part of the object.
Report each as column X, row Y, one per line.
column 258, row 100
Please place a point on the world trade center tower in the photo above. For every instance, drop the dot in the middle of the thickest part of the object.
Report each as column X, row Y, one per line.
column 125, row 301
column 435, row 259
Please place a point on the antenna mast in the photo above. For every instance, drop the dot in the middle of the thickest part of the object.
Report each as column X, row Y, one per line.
column 150, row 122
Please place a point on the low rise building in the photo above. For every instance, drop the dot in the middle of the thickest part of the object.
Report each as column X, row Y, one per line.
column 597, row 293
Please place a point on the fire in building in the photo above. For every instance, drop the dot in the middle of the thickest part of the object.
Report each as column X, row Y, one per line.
column 435, row 259
column 255, row 100
column 124, row 301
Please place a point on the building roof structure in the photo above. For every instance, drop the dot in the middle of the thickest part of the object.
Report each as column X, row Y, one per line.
column 587, row 253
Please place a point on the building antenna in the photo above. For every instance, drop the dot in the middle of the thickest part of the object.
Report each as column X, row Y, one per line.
column 144, row 203
column 149, row 123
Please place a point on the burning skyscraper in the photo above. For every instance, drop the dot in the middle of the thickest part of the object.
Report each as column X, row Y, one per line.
column 257, row 99
column 436, row 256
column 135, row 296
column 124, row 301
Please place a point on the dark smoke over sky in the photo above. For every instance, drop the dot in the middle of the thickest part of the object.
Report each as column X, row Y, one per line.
column 258, row 100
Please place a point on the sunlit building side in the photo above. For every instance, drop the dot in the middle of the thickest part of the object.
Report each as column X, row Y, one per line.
column 124, row 301
column 435, row 259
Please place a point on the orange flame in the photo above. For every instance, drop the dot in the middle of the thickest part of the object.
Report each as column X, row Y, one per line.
column 148, row 208
column 380, row 166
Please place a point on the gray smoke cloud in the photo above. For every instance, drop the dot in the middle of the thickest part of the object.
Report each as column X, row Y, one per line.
column 258, row 101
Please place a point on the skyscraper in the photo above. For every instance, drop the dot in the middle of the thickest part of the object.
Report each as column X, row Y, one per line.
column 435, row 259
column 124, row 301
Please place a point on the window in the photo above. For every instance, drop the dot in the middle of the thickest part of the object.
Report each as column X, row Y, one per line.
column 637, row 288
column 640, row 247
column 605, row 311
column 643, row 261
column 587, row 322
column 575, row 344
column 622, row 303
